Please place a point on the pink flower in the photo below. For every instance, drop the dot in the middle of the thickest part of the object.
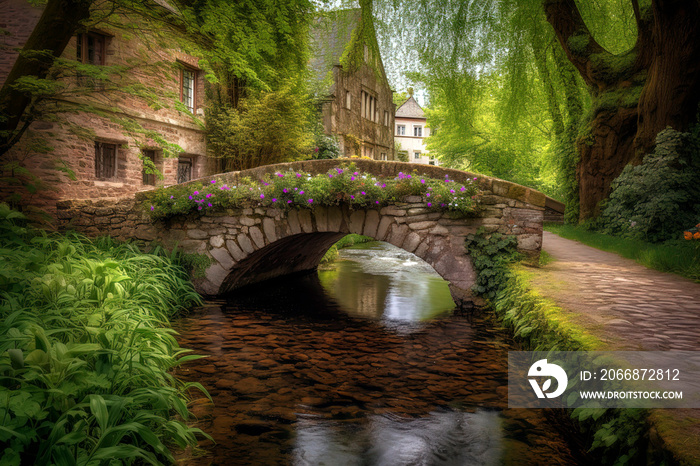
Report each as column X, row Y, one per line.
column 363, row 193
column 352, row 178
column 274, row 199
column 452, row 191
column 475, row 178
column 172, row 197
column 152, row 208
column 209, row 195
column 376, row 202
column 330, row 175
column 199, row 208
column 355, row 173
column 429, row 204
column 195, row 193
column 285, row 190
column 427, row 194
column 301, row 192
column 352, row 197
column 280, row 175
column 190, row 198
column 422, row 181
column 311, row 201
column 213, row 181
column 262, row 196
column 289, row 201
column 209, row 204
column 298, row 175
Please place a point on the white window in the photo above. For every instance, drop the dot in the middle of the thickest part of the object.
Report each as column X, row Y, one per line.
column 418, row 131
column 187, row 88
column 416, row 155
column 348, row 99
column 369, row 106
column 383, row 157
column 386, row 118
column 400, row 130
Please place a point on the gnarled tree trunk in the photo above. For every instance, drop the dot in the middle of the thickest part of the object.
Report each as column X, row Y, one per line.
column 635, row 94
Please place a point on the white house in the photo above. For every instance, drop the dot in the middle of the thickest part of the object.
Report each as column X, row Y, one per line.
column 411, row 132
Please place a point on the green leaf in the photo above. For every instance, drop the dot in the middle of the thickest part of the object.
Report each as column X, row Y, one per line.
column 99, row 410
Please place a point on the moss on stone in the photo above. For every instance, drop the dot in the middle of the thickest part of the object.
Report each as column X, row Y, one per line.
column 578, row 43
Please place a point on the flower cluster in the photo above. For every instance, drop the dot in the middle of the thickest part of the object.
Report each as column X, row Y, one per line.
column 342, row 185
column 693, row 233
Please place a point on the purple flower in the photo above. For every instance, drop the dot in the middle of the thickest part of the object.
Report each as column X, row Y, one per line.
column 422, row 181
column 452, row 191
column 289, row 201
column 280, row 175
column 172, row 197
column 274, row 199
column 376, row 202
column 330, row 175
column 475, row 178
column 298, row 175
column 352, row 197
column 429, row 204
column 339, row 171
column 285, row 190
column 427, row 194
column 213, row 181
column 409, row 177
column 209, row 195
column 209, row 204
column 311, row 201
column 462, row 189
column 262, row 196
column 199, row 208
column 152, row 208
column 190, row 198
column 383, row 185
column 296, row 189
column 355, row 173
column 352, row 178
column 301, row 192
column 363, row 193
column 195, row 193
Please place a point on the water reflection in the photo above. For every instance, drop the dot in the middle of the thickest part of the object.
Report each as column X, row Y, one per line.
column 381, row 281
column 442, row 437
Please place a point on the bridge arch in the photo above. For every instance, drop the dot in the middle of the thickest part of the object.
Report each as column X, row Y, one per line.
column 252, row 244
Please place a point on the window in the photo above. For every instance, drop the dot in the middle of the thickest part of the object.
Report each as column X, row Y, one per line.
column 184, row 169
column 149, row 178
column 188, row 80
column 348, row 99
column 386, row 118
column 383, row 157
column 105, row 161
column 418, row 131
column 91, row 48
column 369, row 106
column 431, row 162
column 400, row 130
column 416, row 155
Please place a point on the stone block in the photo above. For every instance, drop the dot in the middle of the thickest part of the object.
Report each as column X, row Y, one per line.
column 217, row 241
column 145, row 233
column 305, row 221
column 257, row 237
column 245, row 244
column 439, row 230
column 321, row 217
column 411, row 242
column 247, row 221
column 371, row 223
column 421, row 249
column 293, row 219
column 398, row 234
column 234, row 250
column 393, row 210
column 356, row 221
column 216, row 274
column 192, row 246
column 223, row 257
column 197, row 234
column 383, row 228
column 335, row 219
column 417, row 211
column 421, row 225
column 530, row 242
column 269, row 229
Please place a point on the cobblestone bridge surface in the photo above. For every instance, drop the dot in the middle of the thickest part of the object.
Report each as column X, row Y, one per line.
column 255, row 243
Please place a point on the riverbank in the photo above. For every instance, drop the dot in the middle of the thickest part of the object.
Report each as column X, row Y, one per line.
column 586, row 299
column 86, row 349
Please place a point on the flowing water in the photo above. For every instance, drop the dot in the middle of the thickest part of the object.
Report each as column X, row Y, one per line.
column 362, row 364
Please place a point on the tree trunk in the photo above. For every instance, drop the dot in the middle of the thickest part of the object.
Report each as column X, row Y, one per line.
column 58, row 23
column 635, row 94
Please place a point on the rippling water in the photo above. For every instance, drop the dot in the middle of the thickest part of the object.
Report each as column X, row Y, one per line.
column 364, row 364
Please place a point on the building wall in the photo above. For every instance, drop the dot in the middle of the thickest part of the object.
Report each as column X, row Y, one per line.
column 75, row 146
column 358, row 135
column 414, row 144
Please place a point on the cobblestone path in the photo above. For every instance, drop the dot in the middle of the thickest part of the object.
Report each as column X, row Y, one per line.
column 628, row 305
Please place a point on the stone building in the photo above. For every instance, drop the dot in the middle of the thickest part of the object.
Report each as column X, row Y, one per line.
column 105, row 154
column 411, row 132
column 357, row 104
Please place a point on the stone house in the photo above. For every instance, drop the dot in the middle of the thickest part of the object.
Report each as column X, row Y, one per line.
column 357, row 104
column 106, row 159
column 411, row 131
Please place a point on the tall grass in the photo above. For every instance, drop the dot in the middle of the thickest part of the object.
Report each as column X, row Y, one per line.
column 680, row 257
column 86, row 351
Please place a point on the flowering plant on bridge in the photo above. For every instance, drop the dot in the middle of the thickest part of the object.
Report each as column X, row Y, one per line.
column 342, row 185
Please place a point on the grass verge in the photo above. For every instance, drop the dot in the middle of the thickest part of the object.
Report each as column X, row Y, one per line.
column 680, row 257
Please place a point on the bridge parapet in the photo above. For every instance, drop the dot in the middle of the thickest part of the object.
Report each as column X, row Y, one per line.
column 254, row 243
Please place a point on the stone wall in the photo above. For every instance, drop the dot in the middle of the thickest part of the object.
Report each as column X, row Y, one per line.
column 76, row 150
column 255, row 243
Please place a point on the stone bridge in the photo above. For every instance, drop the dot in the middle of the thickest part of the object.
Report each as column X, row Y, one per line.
column 252, row 244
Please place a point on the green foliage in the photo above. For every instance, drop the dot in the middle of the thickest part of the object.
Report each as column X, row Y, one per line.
column 266, row 128
column 345, row 242
column 658, row 199
column 292, row 189
column 85, row 351
column 676, row 256
column 326, row 147
column 491, row 254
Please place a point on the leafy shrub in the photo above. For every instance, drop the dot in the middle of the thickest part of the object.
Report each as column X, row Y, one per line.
column 491, row 254
column 657, row 199
column 326, row 147
column 85, row 350
column 302, row 190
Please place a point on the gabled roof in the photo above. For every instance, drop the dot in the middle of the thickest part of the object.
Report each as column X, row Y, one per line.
column 330, row 35
column 410, row 109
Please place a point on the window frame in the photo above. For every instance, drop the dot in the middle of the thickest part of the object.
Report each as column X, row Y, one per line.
column 149, row 179
column 183, row 70
column 348, row 99
column 185, row 159
column 419, row 130
column 100, row 154
column 417, row 155
column 82, row 49
column 400, row 130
